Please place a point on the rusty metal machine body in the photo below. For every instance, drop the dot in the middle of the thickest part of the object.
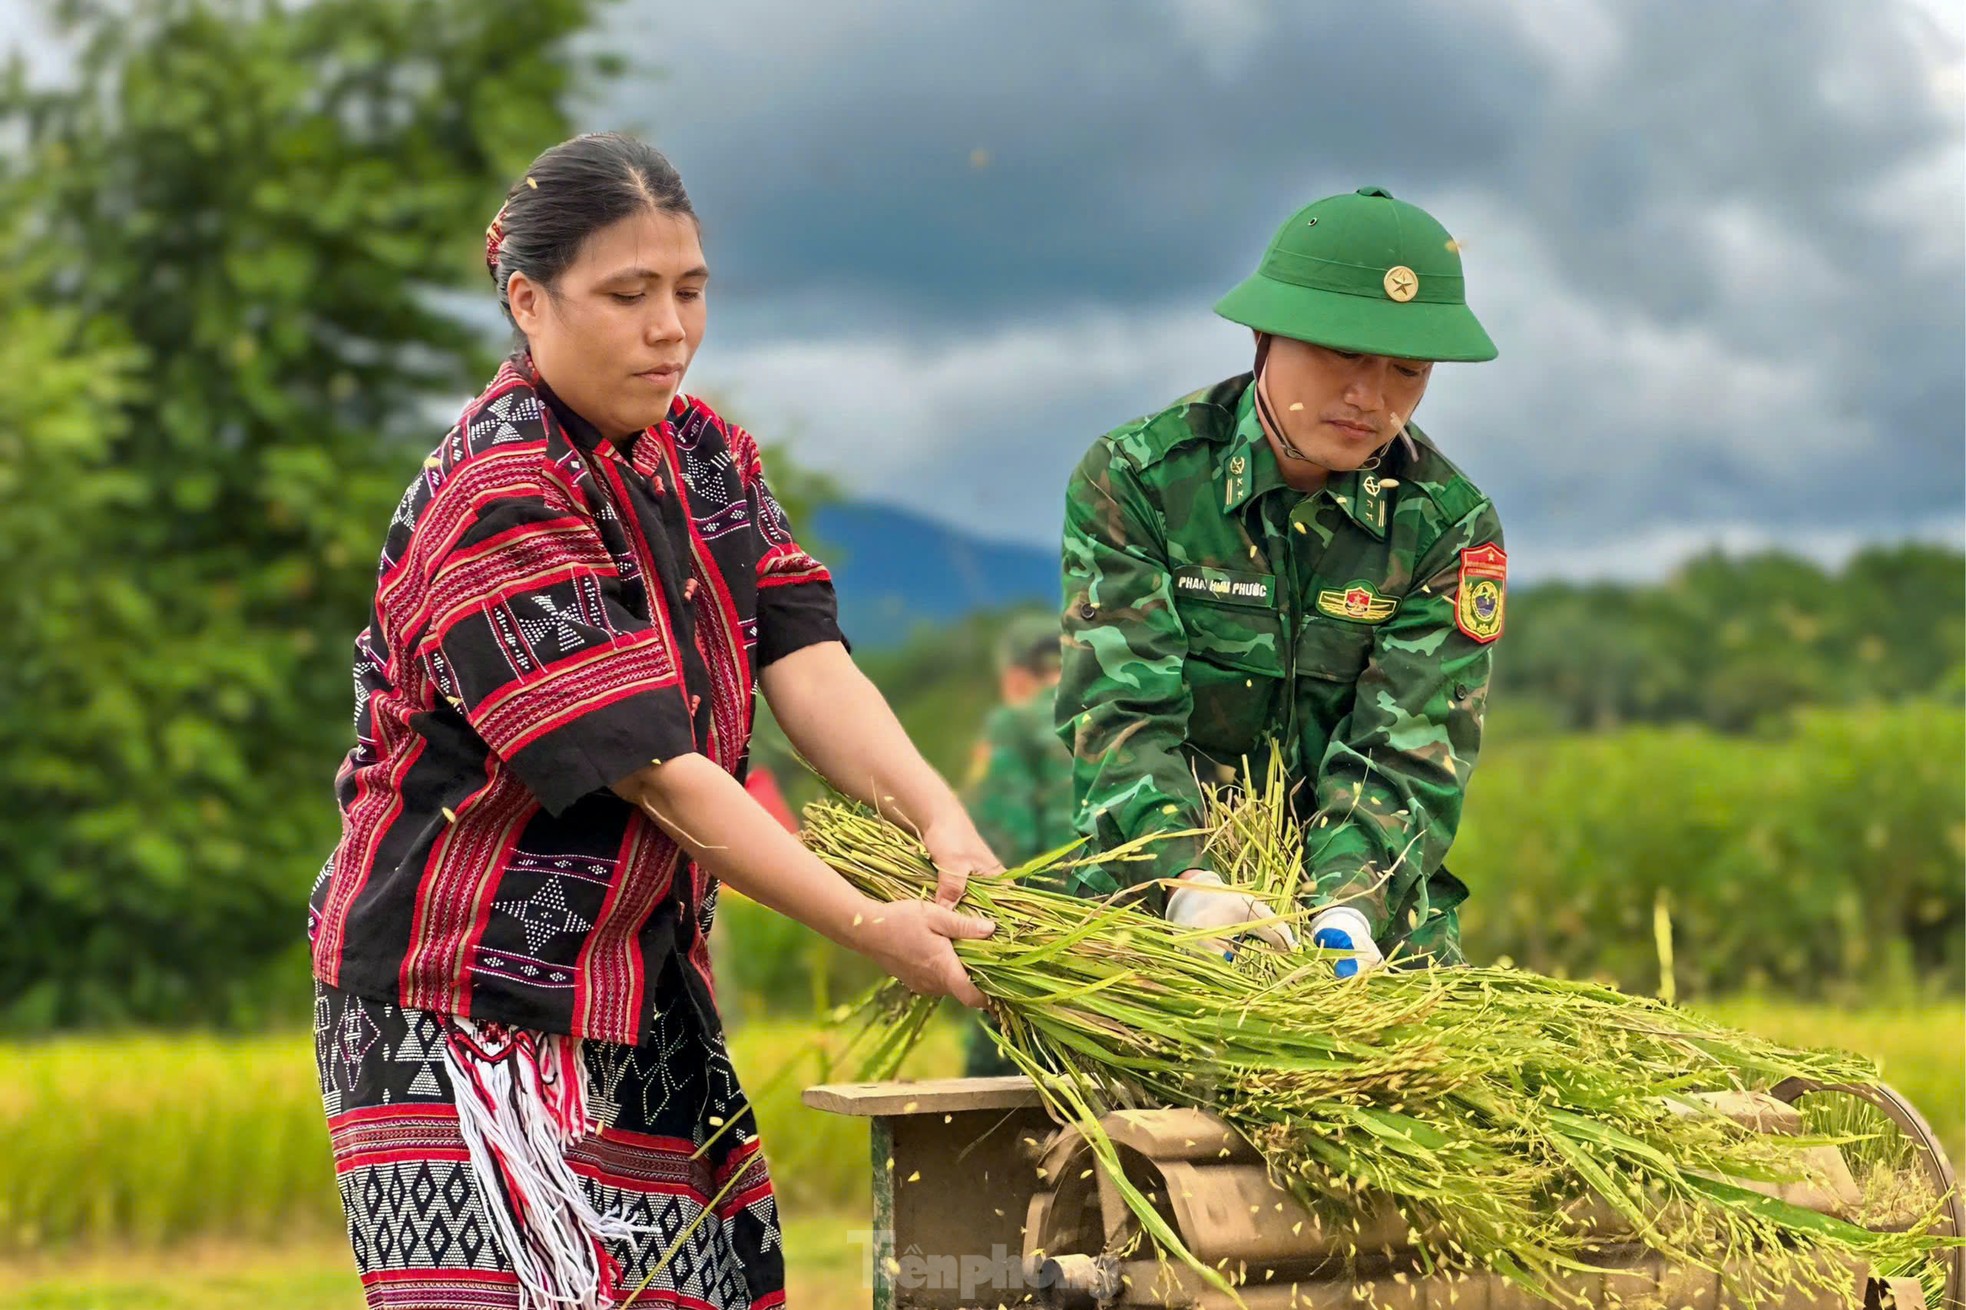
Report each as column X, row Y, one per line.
column 981, row 1200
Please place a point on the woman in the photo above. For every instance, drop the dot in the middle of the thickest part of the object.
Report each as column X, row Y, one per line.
column 526, row 1081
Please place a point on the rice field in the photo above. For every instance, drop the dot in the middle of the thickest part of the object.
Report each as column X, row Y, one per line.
column 154, row 1141
column 171, row 1171
column 823, row 1273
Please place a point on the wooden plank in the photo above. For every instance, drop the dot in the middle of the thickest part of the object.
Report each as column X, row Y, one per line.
column 935, row 1096
column 885, row 1266
column 1756, row 1110
column 1178, row 1135
column 1832, row 1190
column 957, row 1207
column 1896, row 1294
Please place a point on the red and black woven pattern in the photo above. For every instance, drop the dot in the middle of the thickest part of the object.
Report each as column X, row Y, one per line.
column 552, row 614
column 417, row 1218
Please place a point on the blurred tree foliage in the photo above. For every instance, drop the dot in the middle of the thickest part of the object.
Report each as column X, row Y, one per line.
column 1736, row 643
column 229, row 232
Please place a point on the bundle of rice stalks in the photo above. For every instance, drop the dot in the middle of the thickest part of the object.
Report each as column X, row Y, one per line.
column 1491, row 1107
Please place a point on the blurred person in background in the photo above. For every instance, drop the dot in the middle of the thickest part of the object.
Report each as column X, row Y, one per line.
column 762, row 783
column 1020, row 787
column 1284, row 561
column 525, row 1073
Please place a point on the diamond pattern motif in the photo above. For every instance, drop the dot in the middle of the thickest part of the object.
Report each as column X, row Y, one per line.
column 545, row 915
column 407, row 1215
column 705, row 1267
column 559, row 627
column 414, row 1204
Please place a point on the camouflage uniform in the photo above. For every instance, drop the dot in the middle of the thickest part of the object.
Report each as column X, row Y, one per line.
column 1020, row 798
column 1211, row 610
column 1021, row 801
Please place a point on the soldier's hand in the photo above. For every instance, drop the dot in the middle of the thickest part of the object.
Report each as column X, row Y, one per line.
column 1204, row 901
column 1342, row 928
column 957, row 850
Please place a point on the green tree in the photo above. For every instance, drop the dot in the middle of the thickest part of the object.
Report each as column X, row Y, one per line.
column 229, row 234
column 1737, row 643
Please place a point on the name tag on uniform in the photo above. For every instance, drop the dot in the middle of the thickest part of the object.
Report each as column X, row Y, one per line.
column 1224, row 587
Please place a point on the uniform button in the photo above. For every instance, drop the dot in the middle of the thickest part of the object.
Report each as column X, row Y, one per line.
column 1087, row 610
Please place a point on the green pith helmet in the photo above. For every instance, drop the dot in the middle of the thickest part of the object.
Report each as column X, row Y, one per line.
column 1029, row 642
column 1362, row 272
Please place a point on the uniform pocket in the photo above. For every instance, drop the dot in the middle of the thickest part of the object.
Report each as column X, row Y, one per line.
column 1234, row 672
column 1332, row 649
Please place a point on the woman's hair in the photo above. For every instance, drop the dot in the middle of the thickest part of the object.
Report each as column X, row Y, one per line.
column 568, row 194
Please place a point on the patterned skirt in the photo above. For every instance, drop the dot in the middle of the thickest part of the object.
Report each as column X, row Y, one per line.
column 434, row 1211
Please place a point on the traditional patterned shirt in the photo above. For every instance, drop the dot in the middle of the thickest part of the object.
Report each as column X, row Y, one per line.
column 1212, row 611
column 553, row 614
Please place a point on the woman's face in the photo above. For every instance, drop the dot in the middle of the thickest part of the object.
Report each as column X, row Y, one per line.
column 614, row 336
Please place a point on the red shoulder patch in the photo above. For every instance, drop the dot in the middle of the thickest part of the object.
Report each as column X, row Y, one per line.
column 1482, row 592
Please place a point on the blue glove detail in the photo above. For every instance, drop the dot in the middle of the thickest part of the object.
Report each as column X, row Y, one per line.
column 1337, row 939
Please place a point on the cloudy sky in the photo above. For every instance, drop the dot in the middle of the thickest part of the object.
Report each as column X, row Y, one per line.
column 1719, row 243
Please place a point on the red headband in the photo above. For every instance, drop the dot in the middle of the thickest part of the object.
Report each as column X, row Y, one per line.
column 494, row 236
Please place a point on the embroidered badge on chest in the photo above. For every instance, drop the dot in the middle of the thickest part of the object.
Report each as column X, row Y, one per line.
column 1484, row 582
column 1359, row 602
column 1225, row 587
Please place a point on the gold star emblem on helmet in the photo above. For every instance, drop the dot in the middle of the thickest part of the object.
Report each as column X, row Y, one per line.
column 1401, row 283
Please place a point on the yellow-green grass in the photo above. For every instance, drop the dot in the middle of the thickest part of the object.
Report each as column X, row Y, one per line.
column 155, row 1140
column 825, row 1270
column 151, row 1142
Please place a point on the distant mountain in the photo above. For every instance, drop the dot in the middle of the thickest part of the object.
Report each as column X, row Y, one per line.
column 896, row 570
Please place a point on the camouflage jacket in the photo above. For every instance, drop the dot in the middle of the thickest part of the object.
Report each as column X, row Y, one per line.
column 1021, row 789
column 1211, row 610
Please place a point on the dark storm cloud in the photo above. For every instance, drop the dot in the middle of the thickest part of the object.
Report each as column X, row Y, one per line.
column 1003, row 158
column 1708, row 236
column 1720, row 244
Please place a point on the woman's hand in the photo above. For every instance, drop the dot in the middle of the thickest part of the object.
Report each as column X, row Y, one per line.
column 911, row 940
column 722, row 827
column 957, row 850
column 838, row 721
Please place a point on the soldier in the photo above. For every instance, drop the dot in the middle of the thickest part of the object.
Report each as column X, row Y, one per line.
column 1283, row 561
column 1021, row 778
column 1021, row 781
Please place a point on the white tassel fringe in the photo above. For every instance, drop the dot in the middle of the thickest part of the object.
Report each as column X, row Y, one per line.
column 521, row 1102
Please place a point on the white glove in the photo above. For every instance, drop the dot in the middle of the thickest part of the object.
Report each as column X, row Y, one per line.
column 1342, row 928
column 1202, row 901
